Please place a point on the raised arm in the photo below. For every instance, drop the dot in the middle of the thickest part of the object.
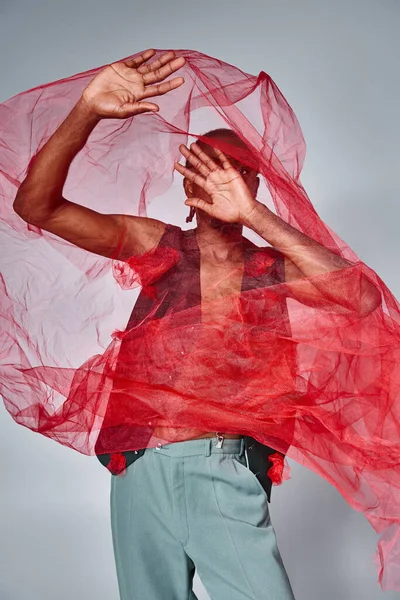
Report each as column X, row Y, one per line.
column 118, row 91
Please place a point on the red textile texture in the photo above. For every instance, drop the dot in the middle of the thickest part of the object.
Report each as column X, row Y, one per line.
column 320, row 378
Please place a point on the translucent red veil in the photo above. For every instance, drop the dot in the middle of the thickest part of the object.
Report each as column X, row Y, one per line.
column 322, row 380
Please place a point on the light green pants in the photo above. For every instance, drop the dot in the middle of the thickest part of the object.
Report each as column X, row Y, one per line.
column 192, row 506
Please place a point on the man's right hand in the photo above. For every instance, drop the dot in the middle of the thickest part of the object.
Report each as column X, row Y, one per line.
column 120, row 89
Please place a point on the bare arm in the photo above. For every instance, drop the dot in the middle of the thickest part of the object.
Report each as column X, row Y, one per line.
column 117, row 92
column 304, row 258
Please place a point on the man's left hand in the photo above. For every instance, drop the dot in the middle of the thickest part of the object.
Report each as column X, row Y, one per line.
column 230, row 199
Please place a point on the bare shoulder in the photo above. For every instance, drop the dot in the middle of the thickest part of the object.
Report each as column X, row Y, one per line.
column 141, row 234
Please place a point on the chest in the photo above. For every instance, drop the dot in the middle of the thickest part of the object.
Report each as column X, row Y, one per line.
column 220, row 280
column 220, row 288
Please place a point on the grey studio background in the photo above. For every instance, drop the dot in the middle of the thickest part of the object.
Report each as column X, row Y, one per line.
column 337, row 64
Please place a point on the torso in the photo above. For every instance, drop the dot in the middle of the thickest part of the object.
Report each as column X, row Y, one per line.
column 208, row 280
column 217, row 280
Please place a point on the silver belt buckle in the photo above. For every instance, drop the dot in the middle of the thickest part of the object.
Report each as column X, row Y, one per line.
column 220, row 440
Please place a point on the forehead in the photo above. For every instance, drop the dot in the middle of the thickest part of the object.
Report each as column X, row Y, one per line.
column 230, row 144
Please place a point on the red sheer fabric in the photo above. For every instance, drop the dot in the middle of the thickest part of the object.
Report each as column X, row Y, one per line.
column 318, row 380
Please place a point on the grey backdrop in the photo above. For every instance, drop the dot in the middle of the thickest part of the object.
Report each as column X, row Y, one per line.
column 337, row 64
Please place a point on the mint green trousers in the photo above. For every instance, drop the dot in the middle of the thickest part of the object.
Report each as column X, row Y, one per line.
column 190, row 506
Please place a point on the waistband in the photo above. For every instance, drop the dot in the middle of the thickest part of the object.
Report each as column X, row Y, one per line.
column 201, row 447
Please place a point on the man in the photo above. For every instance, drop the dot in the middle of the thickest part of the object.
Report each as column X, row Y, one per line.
column 192, row 504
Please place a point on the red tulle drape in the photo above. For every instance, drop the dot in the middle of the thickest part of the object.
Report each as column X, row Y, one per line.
column 319, row 378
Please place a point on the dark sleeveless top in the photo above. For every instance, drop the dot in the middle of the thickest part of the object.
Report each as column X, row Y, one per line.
column 179, row 288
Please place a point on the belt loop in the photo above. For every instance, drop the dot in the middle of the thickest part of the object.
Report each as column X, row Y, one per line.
column 207, row 445
column 242, row 446
column 245, row 453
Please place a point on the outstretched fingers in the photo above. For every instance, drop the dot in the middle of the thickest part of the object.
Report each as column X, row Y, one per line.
column 164, row 71
column 191, row 175
column 135, row 63
column 206, row 160
column 162, row 88
column 223, row 159
column 195, row 161
column 158, row 63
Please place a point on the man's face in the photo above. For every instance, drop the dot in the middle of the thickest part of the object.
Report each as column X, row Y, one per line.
column 249, row 175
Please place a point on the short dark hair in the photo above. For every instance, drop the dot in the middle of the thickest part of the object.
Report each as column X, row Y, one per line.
column 215, row 133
